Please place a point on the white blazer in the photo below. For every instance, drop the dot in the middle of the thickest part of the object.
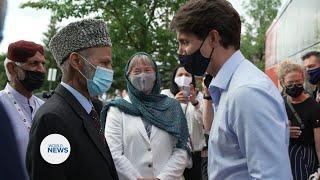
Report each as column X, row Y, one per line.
column 137, row 156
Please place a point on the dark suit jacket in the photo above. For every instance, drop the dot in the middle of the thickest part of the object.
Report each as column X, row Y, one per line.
column 90, row 158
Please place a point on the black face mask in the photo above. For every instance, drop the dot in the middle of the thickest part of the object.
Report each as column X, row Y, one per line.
column 32, row 80
column 295, row 90
column 195, row 63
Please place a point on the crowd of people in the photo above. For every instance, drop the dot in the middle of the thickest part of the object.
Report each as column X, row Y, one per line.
column 221, row 119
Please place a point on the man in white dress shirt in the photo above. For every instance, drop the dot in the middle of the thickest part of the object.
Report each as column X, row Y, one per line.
column 25, row 71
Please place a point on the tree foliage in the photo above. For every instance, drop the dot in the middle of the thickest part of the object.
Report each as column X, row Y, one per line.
column 3, row 76
column 50, row 62
column 259, row 16
column 134, row 25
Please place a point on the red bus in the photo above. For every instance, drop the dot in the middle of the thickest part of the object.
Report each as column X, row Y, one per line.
column 294, row 32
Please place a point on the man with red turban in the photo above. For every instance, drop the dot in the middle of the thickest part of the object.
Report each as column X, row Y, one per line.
column 25, row 71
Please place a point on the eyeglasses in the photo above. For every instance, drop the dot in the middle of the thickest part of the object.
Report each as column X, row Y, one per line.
column 291, row 85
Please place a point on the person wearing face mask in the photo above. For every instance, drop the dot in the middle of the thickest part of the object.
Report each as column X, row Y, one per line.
column 249, row 113
column 311, row 62
column 304, row 116
column 24, row 66
column 183, row 89
column 82, row 51
column 147, row 131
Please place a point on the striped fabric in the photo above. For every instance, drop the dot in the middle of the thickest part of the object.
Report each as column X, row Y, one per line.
column 303, row 161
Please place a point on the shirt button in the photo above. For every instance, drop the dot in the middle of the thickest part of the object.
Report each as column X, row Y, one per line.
column 150, row 165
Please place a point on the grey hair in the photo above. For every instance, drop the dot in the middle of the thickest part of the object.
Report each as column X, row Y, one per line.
column 6, row 61
column 66, row 64
column 140, row 59
column 64, row 67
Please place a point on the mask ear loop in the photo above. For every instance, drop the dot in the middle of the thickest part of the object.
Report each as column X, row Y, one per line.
column 18, row 68
column 83, row 75
column 203, row 43
column 88, row 63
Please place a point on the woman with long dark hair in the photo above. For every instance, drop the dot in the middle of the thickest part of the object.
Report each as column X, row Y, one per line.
column 183, row 89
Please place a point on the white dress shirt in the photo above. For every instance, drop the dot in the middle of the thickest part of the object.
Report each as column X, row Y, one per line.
column 195, row 120
column 20, row 129
column 85, row 102
column 136, row 155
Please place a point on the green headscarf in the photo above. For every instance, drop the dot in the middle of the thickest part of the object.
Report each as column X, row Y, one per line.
column 159, row 110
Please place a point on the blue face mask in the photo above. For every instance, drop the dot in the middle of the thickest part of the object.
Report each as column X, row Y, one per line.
column 101, row 81
column 195, row 63
column 314, row 75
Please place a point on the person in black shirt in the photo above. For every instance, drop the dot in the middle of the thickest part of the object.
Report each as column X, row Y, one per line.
column 304, row 116
column 311, row 62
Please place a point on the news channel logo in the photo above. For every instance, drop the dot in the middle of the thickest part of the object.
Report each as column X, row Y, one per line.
column 55, row 149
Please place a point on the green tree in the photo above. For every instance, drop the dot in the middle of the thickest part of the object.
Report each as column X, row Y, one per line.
column 50, row 62
column 3, row 76
column 135, row 25
column 259, row 16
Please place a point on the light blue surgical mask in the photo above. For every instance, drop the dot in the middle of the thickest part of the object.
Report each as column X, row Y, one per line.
column 100, row 82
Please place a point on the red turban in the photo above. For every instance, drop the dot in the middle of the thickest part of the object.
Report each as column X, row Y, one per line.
column 20, row 51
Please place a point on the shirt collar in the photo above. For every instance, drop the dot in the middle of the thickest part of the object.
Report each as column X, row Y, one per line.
column 19, row 97
column 85, row 103
column 224, row 75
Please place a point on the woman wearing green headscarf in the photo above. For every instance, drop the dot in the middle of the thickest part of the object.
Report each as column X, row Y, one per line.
column 147, row 132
